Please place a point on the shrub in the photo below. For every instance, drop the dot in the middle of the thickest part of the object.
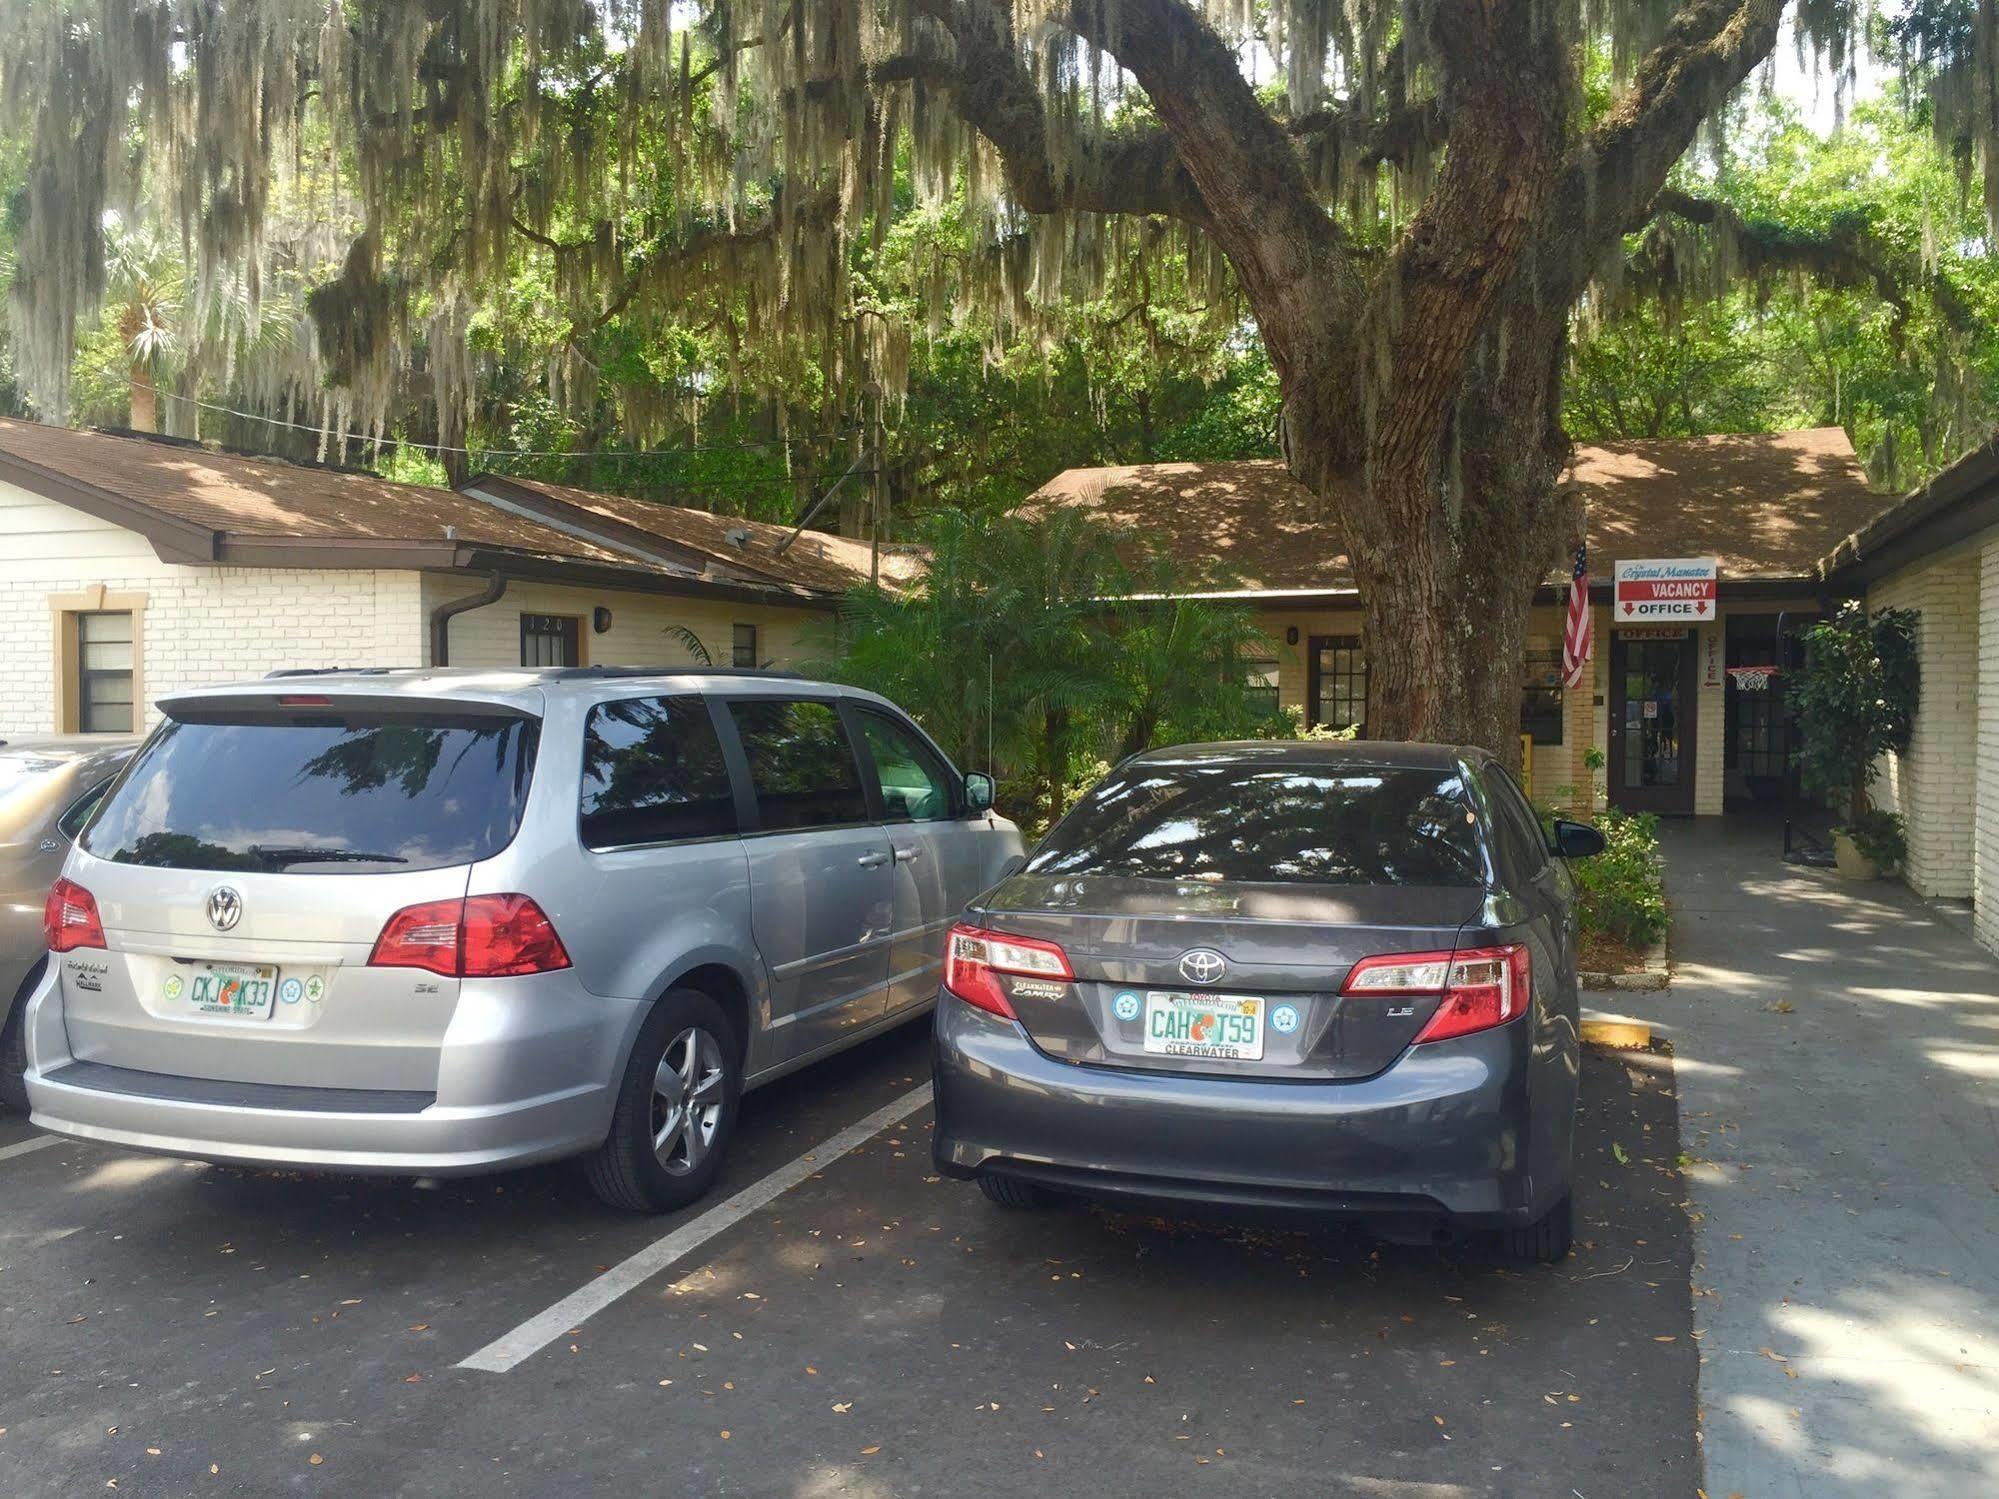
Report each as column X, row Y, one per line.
column 1879, row 837
column 1621, row 892
column 1856, row 699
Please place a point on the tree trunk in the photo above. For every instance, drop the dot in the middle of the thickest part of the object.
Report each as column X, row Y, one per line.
column 145, row 415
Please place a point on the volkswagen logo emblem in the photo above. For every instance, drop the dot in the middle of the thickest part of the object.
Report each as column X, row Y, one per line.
column 1202, row 966
column 225, row 907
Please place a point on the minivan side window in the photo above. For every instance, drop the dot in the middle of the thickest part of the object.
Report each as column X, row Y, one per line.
column 653, row 773
column 915, row 785
column 802, row 766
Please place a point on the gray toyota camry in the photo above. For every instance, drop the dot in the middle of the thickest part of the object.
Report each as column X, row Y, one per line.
column 1328, row 976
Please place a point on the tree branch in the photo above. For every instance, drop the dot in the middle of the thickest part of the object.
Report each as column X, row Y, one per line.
column 1845, row 257
column 1617, row 171
column 1400, row 135
column 1129, row 172
column 706, row 241
column 1287, row 251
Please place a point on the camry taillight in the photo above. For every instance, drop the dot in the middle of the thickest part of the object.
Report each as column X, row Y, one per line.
column 481, row 936
column 974, row 959
column 69, row 918
column 1480, row 987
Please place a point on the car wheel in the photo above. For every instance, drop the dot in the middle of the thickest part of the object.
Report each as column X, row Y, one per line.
column 1547, row 1239
column 1011, row 1192
column 14, row 1059
column 676, row 1109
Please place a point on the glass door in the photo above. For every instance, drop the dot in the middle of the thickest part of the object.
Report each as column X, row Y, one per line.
column 1652, row 724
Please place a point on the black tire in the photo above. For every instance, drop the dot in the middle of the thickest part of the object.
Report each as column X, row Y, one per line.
column 1011, row 1192
column 627, row 1170
column 1547, row 1239
column 14, row 1047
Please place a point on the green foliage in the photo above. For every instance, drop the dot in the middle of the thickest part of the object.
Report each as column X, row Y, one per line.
column 1880, row 837
column 1783, row 322
column 1856, row 699
column 1621, row 892
column 1025, row 650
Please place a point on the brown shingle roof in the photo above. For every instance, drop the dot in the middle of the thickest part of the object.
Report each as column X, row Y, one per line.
column 267, row 499
column 827, row 564
column 1768, row 504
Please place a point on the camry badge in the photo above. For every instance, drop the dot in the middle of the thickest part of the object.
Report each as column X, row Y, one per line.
column 1203, row 965
column 225, row 907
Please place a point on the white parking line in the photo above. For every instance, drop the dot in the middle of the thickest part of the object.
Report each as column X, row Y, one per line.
column 535, row 1334
column 26, row 1147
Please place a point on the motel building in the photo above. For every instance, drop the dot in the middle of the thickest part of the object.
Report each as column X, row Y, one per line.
column 131, row 567
column 1708, row 558
column 1717, row 540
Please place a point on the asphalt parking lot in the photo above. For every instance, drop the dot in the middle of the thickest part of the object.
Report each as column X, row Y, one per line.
column 179, row 1328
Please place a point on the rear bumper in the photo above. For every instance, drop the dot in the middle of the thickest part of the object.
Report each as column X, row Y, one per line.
column 511, row 1092
column 1444, row 1133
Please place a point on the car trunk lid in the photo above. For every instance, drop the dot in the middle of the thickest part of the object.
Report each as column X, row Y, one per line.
column 285, row 995
column 1169, row 974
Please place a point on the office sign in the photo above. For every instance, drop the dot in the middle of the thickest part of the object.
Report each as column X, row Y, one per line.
column 1668, row 590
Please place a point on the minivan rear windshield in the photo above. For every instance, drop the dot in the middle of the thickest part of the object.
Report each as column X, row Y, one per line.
column 320, row 793
column 1294, row 825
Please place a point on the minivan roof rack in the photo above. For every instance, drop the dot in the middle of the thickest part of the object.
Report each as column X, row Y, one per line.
column 331, row 671
column 585, row 673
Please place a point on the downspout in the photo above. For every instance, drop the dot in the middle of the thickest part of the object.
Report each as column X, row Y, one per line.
column 442, row 615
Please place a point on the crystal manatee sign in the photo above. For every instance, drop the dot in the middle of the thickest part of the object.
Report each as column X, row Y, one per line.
column 1666, row 590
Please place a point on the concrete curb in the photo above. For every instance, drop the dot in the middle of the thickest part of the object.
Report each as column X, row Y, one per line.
column 1654, row 975
column 1619, row 1031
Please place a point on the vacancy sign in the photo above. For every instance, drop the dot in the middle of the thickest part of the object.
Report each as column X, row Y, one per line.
column 1671, row 590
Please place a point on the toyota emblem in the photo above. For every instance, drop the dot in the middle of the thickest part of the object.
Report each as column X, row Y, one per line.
column 1202, row 966
column 225, row 907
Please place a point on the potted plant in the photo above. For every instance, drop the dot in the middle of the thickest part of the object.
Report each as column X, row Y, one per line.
column 1856, row 701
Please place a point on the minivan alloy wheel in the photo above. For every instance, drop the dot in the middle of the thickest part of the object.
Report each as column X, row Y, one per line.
column 687, row 1095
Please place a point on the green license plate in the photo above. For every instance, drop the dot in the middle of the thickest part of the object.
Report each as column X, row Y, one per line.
column 1227, row 1027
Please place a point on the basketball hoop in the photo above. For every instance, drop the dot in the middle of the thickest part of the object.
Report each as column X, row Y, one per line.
column 1752, row 678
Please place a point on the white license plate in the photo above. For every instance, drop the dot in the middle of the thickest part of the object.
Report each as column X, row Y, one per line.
column 1227, row 1027
column 239, row 990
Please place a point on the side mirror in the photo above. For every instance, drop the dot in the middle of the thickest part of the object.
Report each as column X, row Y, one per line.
column 1577, row 840
column 978, row 792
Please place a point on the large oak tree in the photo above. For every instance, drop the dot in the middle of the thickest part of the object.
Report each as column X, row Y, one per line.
column 1410, row 200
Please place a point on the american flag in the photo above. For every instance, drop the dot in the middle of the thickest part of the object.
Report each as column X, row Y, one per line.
column 1576, row 634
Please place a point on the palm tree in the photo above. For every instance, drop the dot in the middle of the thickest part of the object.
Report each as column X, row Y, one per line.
column 142, row 285
column 1029, row 644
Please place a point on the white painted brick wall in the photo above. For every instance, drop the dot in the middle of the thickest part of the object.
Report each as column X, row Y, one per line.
column 199, row 624
column 491, row 636
column 1930, row 784
column 1985, row 810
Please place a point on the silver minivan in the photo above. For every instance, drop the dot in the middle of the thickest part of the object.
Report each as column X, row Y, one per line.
column 453, row 921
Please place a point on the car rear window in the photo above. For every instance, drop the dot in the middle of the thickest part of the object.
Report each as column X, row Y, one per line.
column 1296, row 825
column 653, row 772
column 320, row 792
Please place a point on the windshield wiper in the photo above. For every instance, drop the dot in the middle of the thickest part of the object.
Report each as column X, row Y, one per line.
column 305, row 853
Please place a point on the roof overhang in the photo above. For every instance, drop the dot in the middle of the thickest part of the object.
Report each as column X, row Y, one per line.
column 637, row 579
column 593, row 525
column 176, row 540
column 1958, row 504
column 173, row 539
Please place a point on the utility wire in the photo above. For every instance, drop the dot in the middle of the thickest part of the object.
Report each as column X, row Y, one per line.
column 434, row 447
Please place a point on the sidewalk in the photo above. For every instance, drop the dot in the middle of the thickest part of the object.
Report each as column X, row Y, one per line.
column 1844, row 1174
